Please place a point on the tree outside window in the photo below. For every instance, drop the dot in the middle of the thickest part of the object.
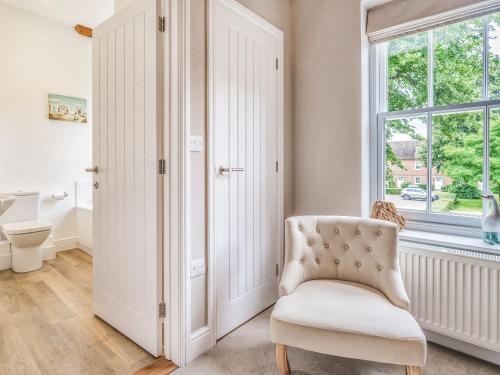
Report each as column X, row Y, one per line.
column 456, row 135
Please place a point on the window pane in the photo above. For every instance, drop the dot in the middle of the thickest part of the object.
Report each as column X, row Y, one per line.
column 494, row 56
column 495, row 152
column 458, row 59
column 407, row 72
column 457, row 158
column 405, row 146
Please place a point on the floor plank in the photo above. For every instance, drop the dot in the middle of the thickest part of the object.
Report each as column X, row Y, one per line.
column 47, row 326
column 161, row 366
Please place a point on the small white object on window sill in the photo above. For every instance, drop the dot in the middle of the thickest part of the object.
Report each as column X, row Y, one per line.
column 449, row 240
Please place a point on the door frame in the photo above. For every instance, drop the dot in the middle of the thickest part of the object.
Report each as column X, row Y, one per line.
column 177, row 109
column 211, row 167
column 180, row 344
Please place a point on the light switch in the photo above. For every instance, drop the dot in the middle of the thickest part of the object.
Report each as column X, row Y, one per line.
column 195, row 143
column 197, row 267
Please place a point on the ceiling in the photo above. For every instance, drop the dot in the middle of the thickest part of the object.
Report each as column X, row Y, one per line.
column 69, row 12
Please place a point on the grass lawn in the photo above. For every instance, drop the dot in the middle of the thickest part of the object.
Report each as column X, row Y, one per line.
column 443, row 203
column 469, row 205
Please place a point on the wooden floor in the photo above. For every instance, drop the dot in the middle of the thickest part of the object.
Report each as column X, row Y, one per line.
column 47, row 325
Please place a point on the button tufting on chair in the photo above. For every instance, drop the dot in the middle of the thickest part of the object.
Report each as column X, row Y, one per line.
column 359, row 309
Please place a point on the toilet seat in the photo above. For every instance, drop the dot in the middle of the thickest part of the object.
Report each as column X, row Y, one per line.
column 26, row 227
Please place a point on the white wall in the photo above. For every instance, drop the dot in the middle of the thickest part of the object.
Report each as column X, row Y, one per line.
column 41, row 57
column 83, row 222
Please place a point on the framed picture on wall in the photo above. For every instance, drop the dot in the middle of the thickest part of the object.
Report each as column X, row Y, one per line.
column 67, row 108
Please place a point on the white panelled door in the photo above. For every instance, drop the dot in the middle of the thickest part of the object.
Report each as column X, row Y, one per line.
column 127, row 200
column 245, row 153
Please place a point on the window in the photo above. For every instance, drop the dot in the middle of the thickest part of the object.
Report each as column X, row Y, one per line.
column 438, row 98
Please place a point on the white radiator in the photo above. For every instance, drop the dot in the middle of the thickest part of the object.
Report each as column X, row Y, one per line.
column 454, row 292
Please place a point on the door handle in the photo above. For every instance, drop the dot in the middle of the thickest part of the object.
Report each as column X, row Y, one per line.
column 94, row 169
column 227, row 171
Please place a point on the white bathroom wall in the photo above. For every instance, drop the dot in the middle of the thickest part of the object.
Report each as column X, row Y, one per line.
column 83, row 221
column 120, row 4
column 39, row 57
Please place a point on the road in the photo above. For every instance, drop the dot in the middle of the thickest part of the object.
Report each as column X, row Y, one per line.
column 406, row 205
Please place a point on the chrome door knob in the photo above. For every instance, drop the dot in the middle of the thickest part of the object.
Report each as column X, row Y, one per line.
column 223, row 171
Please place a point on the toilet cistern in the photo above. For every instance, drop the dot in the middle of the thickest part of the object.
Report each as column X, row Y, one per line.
column 6, row 201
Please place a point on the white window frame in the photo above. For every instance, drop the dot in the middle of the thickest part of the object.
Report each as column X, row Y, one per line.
column 445, row 223
column 419, row 180
column 418, row 165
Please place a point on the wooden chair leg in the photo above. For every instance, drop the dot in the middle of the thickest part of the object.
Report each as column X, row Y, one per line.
column 413, row 370
column 282, row 360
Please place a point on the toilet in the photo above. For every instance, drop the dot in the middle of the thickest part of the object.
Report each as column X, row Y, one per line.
column 26, row 233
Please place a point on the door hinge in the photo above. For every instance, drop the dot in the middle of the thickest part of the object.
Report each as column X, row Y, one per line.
column 277, row 168
column 162, row 310
column 277, row 64
column 162, row 168
column 161, row 24
column 277, row 269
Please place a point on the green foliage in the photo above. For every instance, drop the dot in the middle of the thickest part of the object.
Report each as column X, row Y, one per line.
column 495, row 151
column 446, row 188
column 494, row 59
column 389, row 179
column 424, row 186
column 445, row 203
column 465, row 191
column 457, row 78
column 393, row 191
column 407, row 73
column 458, row 68
column 405, row 184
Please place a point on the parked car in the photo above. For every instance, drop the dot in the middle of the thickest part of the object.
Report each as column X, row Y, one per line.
column 416, row 193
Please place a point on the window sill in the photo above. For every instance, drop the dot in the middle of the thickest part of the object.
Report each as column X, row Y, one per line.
column 449, row 240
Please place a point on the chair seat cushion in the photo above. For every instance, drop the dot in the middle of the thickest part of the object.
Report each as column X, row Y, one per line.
column 349, row 320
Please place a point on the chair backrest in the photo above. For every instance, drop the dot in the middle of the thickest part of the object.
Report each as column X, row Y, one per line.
column 345, row 248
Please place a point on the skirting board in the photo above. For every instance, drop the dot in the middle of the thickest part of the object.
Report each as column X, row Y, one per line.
column 67, row 243
column 200, row 342
column 463, row 347
column 84, row 248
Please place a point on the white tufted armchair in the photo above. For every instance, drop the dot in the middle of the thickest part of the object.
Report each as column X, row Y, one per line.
column 342, row 294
